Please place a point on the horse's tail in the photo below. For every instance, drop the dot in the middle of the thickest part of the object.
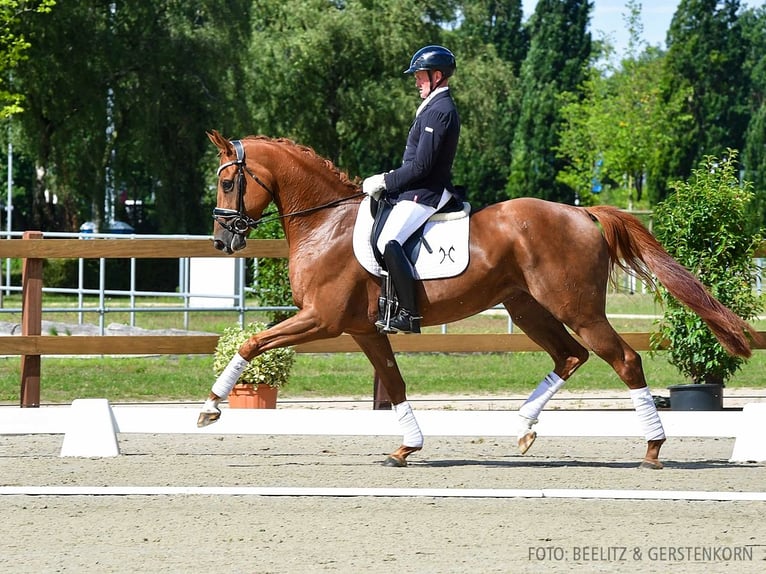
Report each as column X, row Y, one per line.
column 633, row 248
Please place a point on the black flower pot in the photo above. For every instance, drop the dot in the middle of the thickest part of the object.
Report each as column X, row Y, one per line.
column 696, row 397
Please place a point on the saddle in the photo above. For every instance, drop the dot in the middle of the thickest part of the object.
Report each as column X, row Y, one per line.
column 438, row 249
column 381, row 209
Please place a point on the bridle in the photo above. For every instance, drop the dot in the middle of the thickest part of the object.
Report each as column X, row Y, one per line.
column 237, row 221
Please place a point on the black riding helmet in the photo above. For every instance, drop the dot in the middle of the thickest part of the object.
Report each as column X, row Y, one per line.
column 433, row 58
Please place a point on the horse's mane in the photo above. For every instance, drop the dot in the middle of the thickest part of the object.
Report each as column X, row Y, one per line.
column 309, row 151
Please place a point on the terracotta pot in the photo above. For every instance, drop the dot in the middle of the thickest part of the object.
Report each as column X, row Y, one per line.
column 247, row 396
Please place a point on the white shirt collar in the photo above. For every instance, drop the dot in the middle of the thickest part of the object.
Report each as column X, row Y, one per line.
column 430, row 97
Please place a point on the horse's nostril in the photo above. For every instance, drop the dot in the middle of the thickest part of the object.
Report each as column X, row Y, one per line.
column 218, row 244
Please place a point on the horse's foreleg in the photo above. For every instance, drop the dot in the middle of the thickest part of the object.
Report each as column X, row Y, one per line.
column 220, row 390
column 299, row 328
column 378, row 350
column 412, row 440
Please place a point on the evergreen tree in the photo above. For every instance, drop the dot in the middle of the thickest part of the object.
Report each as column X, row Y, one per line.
column 754, row 151
column 497, row 23
column 486, row 132
column 705, row 74
column 491, row 43
column 560, row 47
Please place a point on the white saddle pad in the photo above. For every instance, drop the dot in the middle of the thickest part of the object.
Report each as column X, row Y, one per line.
column 445, row 233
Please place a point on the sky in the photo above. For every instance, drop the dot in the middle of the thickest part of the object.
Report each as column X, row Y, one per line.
column 608, row 18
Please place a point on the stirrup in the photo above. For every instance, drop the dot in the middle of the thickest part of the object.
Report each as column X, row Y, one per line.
column 402, row 322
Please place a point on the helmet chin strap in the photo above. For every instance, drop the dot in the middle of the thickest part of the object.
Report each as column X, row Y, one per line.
column 431, row 86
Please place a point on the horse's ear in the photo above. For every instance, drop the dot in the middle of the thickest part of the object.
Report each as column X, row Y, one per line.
column 220, row 142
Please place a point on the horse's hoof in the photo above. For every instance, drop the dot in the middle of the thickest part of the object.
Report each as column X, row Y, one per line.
column 650, row 464
column 526, row 441
column 399, row 457
column 395, row 462
column 206, row 419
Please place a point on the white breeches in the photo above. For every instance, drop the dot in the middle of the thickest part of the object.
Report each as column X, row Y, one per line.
column 405, row 219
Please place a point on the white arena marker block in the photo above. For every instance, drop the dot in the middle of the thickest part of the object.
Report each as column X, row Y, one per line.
column 749, row 445
column 90, row 430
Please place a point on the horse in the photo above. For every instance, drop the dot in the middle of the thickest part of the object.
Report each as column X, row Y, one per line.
column 547, row 263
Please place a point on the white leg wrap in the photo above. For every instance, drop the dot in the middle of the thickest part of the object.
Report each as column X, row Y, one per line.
column 412, row 435
column 648, row 417
column 548, row 387
column 211, row 406
column 229, row 377
column 525, row 426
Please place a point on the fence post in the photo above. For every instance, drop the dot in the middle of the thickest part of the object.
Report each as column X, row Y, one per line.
column 31, row 324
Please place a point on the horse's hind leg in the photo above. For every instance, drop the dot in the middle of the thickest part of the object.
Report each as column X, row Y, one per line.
column 607, row 344
column 378, row 350
column 567, row 354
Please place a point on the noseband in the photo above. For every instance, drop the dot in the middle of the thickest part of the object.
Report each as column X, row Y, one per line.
column 237, row 220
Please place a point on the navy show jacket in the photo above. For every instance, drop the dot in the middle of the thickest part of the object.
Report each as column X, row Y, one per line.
column 427, row 161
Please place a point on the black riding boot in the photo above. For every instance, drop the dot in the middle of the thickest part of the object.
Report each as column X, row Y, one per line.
column 406, row 320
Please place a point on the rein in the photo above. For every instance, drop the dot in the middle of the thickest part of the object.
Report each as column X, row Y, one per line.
column 239, row 222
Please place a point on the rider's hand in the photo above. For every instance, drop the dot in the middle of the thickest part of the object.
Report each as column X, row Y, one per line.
column 374, row 186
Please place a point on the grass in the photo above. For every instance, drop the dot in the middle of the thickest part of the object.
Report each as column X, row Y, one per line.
column 188, row 378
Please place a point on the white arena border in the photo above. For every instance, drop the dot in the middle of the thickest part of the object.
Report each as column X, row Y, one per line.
column 342, row 422
column 91, row 427
column 496, row 493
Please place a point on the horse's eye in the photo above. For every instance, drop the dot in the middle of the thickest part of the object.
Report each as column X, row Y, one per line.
column 227, row 185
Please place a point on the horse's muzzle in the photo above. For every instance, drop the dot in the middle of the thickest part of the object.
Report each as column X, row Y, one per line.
column 229, row 242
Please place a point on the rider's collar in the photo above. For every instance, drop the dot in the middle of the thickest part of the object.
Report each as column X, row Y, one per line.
column 430, row 97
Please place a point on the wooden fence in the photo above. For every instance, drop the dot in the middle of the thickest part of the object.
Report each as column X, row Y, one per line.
column 33, row 249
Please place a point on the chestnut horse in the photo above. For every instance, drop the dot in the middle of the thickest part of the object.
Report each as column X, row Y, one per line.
column 547, row 263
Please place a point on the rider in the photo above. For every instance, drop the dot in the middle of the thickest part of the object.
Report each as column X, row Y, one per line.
column 422, row 185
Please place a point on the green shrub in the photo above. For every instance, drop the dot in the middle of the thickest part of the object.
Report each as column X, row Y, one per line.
column 60, row 272
column 706, row 225
column 271, row 368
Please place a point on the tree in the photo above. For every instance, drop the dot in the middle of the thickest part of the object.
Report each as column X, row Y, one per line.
column 560, row 47
column 497, row 23
column 611, row 134
column 614, row 126
column 707, row 226
column 63, row 126
column 487, row 123
column 491, row 44
column 331, row 77
column 705, row 67
column 180, row 79
column 754, row 152
column 126, row 106
column 13, row 48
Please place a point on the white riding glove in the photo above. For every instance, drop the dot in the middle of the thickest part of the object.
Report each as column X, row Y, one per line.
column 374, row 186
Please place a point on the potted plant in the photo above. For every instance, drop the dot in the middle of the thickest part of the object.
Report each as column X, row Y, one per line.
column 706, row 225
column 259, row 383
